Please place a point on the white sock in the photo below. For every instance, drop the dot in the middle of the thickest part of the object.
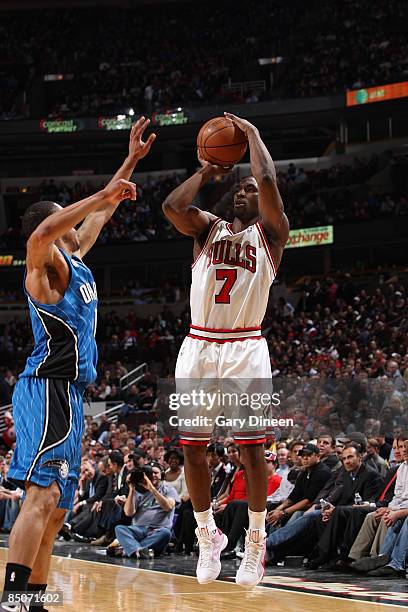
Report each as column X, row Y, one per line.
column 256, row 529
column 205, row 520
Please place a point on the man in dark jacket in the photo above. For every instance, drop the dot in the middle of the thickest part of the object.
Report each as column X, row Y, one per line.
column 360, row 484
column 309, row 482
column 92, row 487
column 326, row 444
column 110, row 509
column 300, row 535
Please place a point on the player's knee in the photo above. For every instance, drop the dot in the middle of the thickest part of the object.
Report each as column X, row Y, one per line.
column 194, row 455
column 45, row 499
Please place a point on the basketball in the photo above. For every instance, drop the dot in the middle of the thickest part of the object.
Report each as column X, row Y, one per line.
column 221, row 142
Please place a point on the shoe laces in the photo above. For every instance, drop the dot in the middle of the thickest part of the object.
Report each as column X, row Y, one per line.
column 252, row 556
column 206, row 550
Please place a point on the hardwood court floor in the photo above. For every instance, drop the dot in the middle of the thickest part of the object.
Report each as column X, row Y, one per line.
column 93, row 586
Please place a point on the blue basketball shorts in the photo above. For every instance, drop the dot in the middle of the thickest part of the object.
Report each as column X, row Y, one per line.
column 49, row 423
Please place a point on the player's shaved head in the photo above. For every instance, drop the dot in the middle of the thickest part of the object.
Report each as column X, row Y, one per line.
column 35, row 214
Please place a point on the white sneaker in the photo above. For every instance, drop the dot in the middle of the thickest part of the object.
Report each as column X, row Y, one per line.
column 20, row 607
column 252, row 567
column 211, row 545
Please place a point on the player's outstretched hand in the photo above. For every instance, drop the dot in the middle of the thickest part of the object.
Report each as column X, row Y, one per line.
column 119, row 190
column 137, row 147
column 243, row 124
column 214, row 168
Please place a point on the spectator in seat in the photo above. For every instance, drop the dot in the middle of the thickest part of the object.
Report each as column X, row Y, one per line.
column 9, row 434
column 152, row 518
column 282, row 457
column 231, row 467
column 357, row 478
column 391, row 561
column 300, row 535
column 235, row 517
column 373, row 448
column 103, row 426
column 10, row 497
column 132, row 401
column 110, row 508
column 361, row 528
column 147, row 399
column 309, row 482
column 394, row 374
column 373, row 534
column 215, row 454
column 289, row 478
column 115, row 394
column 174, row 474
column 384, row 448
column 186, row 524
column 92, row 487
column 326, row 444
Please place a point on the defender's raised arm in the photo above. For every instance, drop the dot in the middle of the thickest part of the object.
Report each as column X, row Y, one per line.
column 138, row 149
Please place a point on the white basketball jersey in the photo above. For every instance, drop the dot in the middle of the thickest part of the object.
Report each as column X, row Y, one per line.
column 231, row 278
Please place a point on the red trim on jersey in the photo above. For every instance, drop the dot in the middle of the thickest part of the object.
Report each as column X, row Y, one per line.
column 260, row 441
column 222, row 341
column 229, row 228
column 195, row 442
column 210, row 231
column 267, row 246
column 193, row 434
column 225, row 331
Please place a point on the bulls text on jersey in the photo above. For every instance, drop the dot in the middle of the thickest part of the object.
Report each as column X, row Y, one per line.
column 233, row 254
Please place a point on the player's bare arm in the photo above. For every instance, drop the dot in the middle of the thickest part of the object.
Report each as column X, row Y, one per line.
column 47, row 271
column 178, row 208
column 270, row 203
column 95, row 221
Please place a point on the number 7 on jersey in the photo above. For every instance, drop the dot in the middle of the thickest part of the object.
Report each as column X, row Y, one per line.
column 229, row 276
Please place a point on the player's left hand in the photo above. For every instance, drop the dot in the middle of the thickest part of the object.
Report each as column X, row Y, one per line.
column 137, row 147
column 243, row 124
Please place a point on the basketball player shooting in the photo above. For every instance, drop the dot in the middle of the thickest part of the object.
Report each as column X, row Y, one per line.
column 234, row 267
column 47, row 401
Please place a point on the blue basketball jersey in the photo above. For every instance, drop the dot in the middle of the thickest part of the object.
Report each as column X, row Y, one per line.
column 64, row 333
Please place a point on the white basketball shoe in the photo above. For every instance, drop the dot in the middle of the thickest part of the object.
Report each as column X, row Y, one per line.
column 252, row 567
column 211, row 545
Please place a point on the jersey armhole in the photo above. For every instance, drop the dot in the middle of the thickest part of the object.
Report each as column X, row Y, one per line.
column 207, row 242
column 267, row 247
column 69, row 263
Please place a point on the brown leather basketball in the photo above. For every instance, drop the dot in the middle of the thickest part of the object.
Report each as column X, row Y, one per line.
column 221, row 142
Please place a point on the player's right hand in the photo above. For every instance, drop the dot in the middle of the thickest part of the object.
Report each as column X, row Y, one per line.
column 214, row 168
column 119, row 190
